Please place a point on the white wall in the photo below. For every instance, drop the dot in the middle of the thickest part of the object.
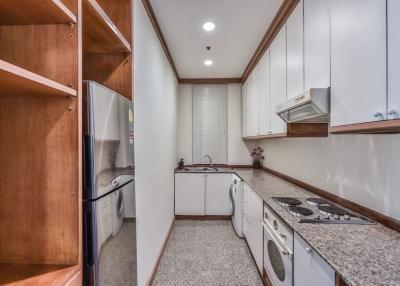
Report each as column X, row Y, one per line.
column 155, row 100
column 362, row 168
column 238, row 154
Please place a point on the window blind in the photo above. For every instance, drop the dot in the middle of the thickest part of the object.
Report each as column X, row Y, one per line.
column 210, row 123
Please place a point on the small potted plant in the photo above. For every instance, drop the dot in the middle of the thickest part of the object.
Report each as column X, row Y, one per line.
column 258, row 157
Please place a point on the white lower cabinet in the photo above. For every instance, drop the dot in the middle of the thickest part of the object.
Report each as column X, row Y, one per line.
column 189, row 194
column 217, row 194
column 252, row 227
column 202, row 194
column 309, row 268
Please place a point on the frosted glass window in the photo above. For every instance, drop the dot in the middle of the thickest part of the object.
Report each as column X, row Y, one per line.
column 209, row 123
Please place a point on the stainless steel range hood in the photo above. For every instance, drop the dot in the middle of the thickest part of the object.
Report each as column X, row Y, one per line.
column 309, row 107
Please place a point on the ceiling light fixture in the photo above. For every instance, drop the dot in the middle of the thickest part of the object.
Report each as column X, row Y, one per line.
column 208, row 62
column 209, row 26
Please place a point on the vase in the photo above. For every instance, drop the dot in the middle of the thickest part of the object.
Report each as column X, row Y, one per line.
column 257, row 164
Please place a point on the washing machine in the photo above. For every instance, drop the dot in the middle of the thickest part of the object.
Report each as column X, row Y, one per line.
column 117, row 211
column 236, row 196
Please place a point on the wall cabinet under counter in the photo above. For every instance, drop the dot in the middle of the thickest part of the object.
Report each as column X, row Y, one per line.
column 309, row 268
column 252, row 227
column 200, row 194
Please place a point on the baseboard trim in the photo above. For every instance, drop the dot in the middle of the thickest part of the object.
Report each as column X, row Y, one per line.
column 157, row 264
column 372, row 214
column 202, row 217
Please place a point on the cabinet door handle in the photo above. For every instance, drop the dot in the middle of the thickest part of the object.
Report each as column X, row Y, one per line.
column 393, row 113
column 308, row 250
column 378, row 115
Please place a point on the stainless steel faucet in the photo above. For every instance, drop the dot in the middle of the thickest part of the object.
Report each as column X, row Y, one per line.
column 209, row 158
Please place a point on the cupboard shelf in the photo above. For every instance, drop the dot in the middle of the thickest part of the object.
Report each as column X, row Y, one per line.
column 36, row 274
column 33, row 12
column 100, row 34
column 15, row 81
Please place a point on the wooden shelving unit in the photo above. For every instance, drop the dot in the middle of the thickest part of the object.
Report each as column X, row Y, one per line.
column 34, row 12
column 15, row 81
column 40, row 124
column 107, row 42
column 100, row 34
column 37, row 274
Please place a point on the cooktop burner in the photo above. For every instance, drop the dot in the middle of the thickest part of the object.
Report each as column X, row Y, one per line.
column 287, row 201
column 319, row 210
column 300, row 211
column 316, row 201
column 332, row 210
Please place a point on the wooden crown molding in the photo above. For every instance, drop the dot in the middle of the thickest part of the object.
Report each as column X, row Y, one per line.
column 210, row 80
column 281, row 16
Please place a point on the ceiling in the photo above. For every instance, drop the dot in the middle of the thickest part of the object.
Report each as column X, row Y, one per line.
column 240, row 26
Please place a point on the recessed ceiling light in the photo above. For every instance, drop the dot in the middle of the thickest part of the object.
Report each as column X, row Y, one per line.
column 209, row 26
column 208, row 62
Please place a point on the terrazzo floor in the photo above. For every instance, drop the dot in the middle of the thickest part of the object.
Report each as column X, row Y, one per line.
column 117, row 264
column 206, row 253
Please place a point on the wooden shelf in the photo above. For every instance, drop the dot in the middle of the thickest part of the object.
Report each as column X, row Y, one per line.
column 297, row 130
column 100, row 35
column 15, row 81
column 377, row 127
column 36, row 274
column 33, row 12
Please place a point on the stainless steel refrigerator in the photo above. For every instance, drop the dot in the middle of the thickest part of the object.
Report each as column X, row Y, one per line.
column 109, row 225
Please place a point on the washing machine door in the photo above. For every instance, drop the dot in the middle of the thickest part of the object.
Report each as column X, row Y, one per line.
column 232, row 194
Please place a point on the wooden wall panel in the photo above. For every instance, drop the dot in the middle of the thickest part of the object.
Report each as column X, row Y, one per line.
column 48, row 50
column 39, row 198
column 111, row 70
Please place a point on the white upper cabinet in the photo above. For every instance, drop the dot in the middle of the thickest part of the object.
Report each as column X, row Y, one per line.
column 250, row 107
column 255, row 95
column 393, row 59
column 316, row 44
column 358, row 61
column 264, row 106
column 278, row 79
column 244, row 110
column 295, row 56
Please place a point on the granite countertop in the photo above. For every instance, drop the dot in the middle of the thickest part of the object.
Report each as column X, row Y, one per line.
column 361, row 254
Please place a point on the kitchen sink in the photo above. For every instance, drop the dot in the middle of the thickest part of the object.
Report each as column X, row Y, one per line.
column 201, row 169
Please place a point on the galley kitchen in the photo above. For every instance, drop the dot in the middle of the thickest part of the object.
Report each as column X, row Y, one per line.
column 200, row 142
